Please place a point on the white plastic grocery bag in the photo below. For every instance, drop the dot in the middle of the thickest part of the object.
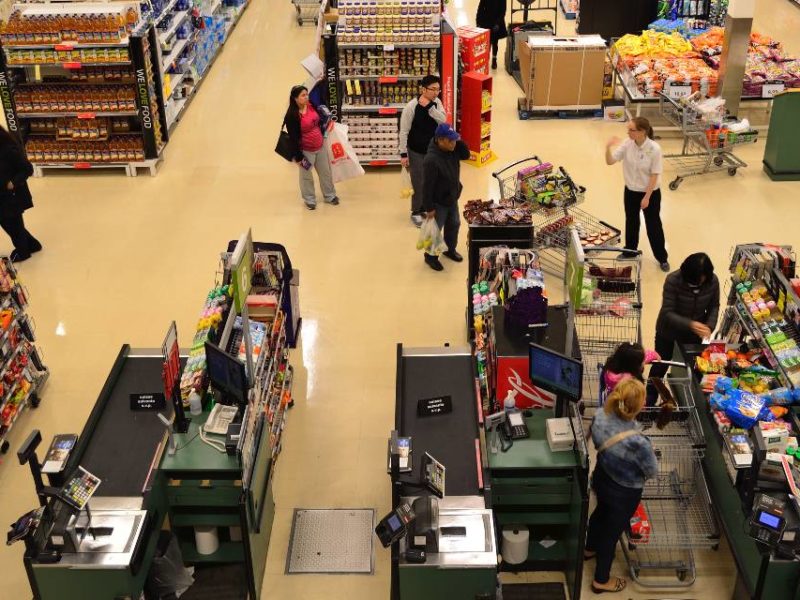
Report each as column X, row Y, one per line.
column 406, row 189
column 430, row 238
column 343, row 159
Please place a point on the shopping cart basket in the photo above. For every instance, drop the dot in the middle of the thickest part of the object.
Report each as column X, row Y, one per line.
column 706, row 147
column 553, row 218
column 614, row 314
column 307, row 11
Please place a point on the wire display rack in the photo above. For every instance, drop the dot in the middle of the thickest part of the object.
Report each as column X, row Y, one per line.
column 614, row 314
column 706, row 149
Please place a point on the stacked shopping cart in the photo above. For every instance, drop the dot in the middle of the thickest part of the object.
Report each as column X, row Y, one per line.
column 307, row 11
column 553, row 198
column 708, row 137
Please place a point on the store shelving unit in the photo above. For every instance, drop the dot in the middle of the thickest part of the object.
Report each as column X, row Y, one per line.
column 380, row 58
column 57, row 66
column 476, row 116
column 22, row 372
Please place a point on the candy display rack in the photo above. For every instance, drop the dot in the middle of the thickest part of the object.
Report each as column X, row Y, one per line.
column 22, row 372
column 383, row 49
column 476, row 116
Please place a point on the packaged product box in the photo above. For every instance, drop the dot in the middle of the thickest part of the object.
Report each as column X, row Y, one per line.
column 562, row 72
column 474, row 48
column 614, row 110
column 640, row 525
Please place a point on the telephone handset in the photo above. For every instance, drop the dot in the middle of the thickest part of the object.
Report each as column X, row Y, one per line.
column 514, row 427
column 221, row 416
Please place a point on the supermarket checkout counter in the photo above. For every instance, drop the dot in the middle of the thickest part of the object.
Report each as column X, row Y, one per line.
column 764, row 538
column 106, row 549
column 437, row 407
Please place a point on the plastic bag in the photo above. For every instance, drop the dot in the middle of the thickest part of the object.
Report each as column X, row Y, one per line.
column 430, row 238
column 745, row 409
column 168, row 576
column 406, row 189
column 343, row 159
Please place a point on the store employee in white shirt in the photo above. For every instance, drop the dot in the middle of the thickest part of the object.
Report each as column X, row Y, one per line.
column 641, row 167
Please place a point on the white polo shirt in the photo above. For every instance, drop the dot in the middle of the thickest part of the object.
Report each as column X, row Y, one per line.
column 639, row 163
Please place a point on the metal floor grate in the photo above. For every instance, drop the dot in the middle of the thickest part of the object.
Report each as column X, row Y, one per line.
column 331, row 541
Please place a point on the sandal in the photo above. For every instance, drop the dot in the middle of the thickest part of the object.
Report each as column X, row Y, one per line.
column 621, row 583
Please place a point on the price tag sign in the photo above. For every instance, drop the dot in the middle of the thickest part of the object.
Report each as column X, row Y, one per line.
column 679, row 90
column 429, row 407
column 769, row 90
column 388, row 47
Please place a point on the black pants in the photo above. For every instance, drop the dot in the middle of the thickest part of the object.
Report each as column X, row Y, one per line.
column 14, row 226
column 612, row 515
column 495, row 42
column 652, row 222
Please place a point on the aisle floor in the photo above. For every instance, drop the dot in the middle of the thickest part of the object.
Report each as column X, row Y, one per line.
column 123, row 257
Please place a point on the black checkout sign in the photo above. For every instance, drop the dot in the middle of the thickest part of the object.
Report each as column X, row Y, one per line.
column 154, row 401
column 429, row 407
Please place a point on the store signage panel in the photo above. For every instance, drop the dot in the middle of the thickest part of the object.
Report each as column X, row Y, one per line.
column 770, row 90
column 153, row 401
column 429, row 407
column 679, row 90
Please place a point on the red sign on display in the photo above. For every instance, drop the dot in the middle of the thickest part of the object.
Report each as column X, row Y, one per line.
column 82, row 165
column 448, row 74
column 72, row 65
column 512, row 375
column 388, row 79
column 64, row 47
column 387, row 111
column 171, row 371
column 378, row 163
column 86, row 115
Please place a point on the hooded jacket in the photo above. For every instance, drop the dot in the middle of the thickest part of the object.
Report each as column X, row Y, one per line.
column 682, row 304
column 491, row 15
column 441, row 184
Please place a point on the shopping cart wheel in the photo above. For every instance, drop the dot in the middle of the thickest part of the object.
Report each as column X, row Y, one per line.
column 673, row 185
column 35, row 400
column 682, row 574
column 718, row 161
column 4, row 447
column 732, row 171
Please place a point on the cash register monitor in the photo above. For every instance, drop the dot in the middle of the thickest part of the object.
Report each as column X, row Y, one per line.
column 227, row 374
column 556, row 373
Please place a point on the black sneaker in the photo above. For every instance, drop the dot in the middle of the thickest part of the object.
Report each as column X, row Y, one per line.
column 334, row 201
column 665, row 266
column 454, row 256
column 311, row 205
column 35, row 245
column 494, row 64
column 433, row 262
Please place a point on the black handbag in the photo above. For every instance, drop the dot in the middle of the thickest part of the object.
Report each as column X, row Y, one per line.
column 285, row 147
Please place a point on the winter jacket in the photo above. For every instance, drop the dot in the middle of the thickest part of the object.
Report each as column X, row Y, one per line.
column 441, row 175
column 681, row 304
column 292, row 124
column 417, row 125
column 15, row 168
column 612, row 378
column 492, row 16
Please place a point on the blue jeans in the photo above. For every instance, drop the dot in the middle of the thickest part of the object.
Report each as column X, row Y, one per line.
column 612, row 515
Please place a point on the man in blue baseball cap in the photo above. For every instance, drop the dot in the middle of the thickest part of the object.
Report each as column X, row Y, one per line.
column 441, row 188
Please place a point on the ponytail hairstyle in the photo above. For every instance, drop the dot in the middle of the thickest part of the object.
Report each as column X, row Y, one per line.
column 643, row 124
column 627, row 358
column 627, row 399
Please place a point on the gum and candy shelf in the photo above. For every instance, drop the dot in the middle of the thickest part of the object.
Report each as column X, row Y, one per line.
column 192, row 378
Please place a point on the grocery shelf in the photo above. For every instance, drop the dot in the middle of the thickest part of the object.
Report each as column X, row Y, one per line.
column 381, row 78
column 213, row 8
column 167, row 9
column 85, row 114
column 180, row 17
column 68, row 65
column 175, row 81
column 67, row 45
column 168, row 59
column 371, row 107
column 384, row 44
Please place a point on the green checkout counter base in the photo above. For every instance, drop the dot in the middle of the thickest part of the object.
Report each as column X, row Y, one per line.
column 197, row 486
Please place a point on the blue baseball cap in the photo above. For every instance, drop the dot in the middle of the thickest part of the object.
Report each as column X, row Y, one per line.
column 445, row 131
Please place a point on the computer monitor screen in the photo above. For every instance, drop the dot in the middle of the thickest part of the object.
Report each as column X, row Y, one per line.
column 227, row 374
column 555, row 372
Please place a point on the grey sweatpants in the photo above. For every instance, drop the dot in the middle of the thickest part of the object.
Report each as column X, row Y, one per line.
column 319, row 161
column 415, row 160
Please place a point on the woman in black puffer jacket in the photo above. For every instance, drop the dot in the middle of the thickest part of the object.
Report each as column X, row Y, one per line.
column 492, row 16
column 689, row 309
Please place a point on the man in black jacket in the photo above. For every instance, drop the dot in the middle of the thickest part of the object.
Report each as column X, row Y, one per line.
column 689, row 310
column 441, row 188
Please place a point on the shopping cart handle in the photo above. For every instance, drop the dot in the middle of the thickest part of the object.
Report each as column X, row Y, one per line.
column 631, row 253
column 504, row 169
column 671, row 363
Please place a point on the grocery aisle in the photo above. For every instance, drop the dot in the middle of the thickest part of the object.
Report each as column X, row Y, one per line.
column 123, row 257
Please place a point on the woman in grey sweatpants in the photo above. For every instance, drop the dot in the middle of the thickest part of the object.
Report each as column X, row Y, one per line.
column 418, row 122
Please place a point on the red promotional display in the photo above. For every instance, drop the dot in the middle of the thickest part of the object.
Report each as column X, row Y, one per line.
column 476, row 116
column 449, row 70
column 474, row 48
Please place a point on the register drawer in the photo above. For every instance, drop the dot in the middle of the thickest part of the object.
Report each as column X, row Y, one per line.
column 207, row 492
column 530, row 491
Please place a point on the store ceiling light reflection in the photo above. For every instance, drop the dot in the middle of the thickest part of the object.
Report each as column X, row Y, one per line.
column 309, row 332
column 60, row 329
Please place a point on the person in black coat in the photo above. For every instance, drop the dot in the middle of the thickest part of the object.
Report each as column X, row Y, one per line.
column 492, row 16
column 15, row 197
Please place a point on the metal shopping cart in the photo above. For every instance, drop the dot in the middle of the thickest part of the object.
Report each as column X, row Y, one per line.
column 610, row 313
column 707, row 143
column 676, row 503
column 553, row 212
column 307, row 11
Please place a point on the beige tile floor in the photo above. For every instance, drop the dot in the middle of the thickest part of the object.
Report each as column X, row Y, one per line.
column 123, row 257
